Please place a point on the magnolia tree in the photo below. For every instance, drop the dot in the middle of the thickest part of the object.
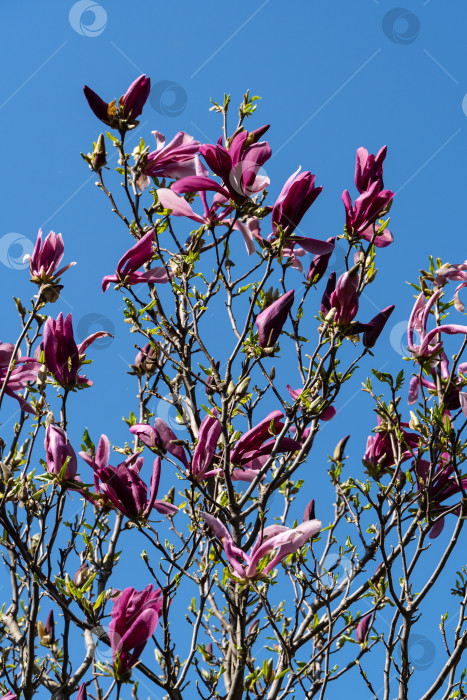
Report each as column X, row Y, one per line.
column 261, row 613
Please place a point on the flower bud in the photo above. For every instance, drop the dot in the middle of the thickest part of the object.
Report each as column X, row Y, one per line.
column 82, row 693
column 309, row 513
column 99, row 155
column 339, row 450
column 272, row 319
column 49, row 293
column 242, row 388
column 363, row 629
column 82, row 575
column 146, row 360
column 42, row 378
column 253, row 628
column 210, row 381
column 319, row 264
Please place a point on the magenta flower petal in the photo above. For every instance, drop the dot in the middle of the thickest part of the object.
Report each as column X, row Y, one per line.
column 363, row 629
column 272, row 319
column 58, row 449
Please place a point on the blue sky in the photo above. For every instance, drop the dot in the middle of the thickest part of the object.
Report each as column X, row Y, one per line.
column 332, row 77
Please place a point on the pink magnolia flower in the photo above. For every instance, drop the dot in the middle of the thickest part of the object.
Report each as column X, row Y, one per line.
column 452, row 398
column 238, row 167
column 276, row 539
column 9, row 696
column 369, row 168
column 123, row 486
column 380, row 455
column 176, row 159
column 160, row 437
column 129, row 107
column 430, row 341
column 46, row 258
column 58, row 449
column 136, row 256
column 180, row 207
column 135, row 615
column 209, row 432
column 327, row 414
column 442, row 484
column 360, row 217
column 295, row 198
column 217, row 213
column 456, row 273
column 25, row 369
column 254, row 448
column 342, row 297
column 63, row 357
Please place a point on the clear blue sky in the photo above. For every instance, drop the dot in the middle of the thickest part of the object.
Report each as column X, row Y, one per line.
column 332, row 77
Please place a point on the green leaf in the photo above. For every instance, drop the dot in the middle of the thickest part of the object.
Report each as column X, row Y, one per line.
column 99, row 601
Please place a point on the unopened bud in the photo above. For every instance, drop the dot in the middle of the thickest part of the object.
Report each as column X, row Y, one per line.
column 24, row 448
column 358, row 257
column 49, row 293
column 242, row 388
column 211, row 382
column 99, row 156
column 34, row 544
column 253, row 628
column 309, row 513
column 339, row 450
column 50, row 627
column 6, row 472
column 414, row 422
column 82, row 575
column 329, row 318
column 268, row 671
column 20, row 307
column 42, row 378
column 44, row 638
column 23, row 492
